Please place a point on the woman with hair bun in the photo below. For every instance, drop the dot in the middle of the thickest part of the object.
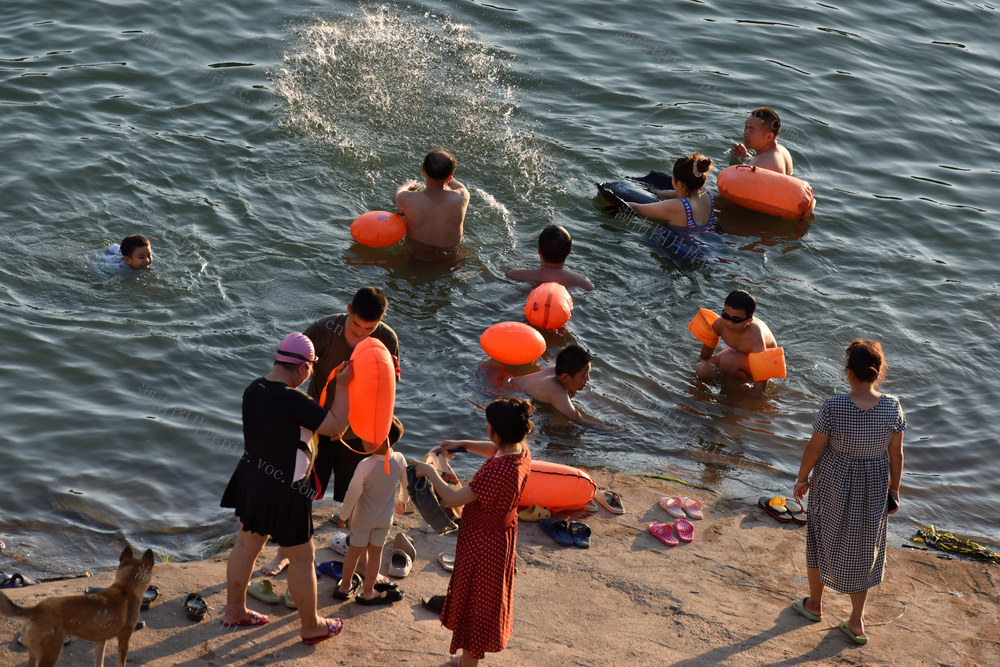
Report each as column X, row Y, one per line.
column 479, row 607
column 689, row 204
column 855, row 456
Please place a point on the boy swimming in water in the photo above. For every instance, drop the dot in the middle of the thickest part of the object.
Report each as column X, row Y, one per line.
column 434, row 215
column 743, row 334
column 556, row 385
column 135, row 252
column 554, row 245
column 760, row 133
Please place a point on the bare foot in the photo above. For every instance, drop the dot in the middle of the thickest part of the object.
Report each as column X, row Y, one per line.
column 277, row 564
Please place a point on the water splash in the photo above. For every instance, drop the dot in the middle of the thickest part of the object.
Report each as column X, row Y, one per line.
column 381, row 87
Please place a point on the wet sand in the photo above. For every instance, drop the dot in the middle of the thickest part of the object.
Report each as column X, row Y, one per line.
column 627, row 600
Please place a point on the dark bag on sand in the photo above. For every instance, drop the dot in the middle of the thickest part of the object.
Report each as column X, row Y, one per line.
column 427, row 502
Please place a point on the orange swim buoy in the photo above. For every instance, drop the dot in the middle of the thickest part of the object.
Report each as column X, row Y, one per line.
column 549, row 306
column 378, row 229
column 767, row 364
column 372, row 391
column 513, row 343
column 701, row 327
column 557, row 487
column 767, row 191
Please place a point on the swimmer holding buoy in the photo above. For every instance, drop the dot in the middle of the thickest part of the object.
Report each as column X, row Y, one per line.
column 752, row 354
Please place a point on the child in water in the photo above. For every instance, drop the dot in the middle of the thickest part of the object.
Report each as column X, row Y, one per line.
column 368, row 507
column 135, row 252
column 554, row 244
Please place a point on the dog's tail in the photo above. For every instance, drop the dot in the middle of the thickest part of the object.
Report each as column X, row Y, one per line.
column 10, row 608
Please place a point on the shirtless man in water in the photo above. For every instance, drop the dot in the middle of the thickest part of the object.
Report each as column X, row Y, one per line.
column 742, row 333
column 435, row 215
column 760, row 133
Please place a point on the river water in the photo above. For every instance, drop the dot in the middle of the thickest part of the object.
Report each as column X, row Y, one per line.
column 243, row 137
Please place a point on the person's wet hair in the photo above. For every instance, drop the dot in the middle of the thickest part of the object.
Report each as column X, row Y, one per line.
column 770, row 118
column 131, row 243
column 866, row 360
column 554, row 244
column 692, row 170
column 439, row 164
column 510, row 419
column 571, row 360
column 741, row 300
column 369, row 304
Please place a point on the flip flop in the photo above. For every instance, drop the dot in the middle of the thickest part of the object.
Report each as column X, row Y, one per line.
column 796, row 511
column 339, row 543
column 195, row 608
column 534, row 513
column 434, row 603
column 263, row 590
column 800, row 606
column 90, row 590
column 67, row 639
column 781, row 515
column 148, row 597
column 581, row 534
column 386, row 597
column 383, row 586
column 356, row 583
column 611, row 501
column 858, row 639
column 16, row 580
column 331, row 568
column 591, row 507
column 693, row 508
column 403, row 543
column 558, row 530
column 673, row 507
column 333, row 628
column 447, row 561
column 685, row 530
column 289, row 600
column 664, row 532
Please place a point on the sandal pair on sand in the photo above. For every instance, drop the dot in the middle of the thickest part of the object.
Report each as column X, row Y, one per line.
column 682, row 508
column 782, row 509
column 567, row 533
column 263, row 590
column 665, row 532
column 387, row 592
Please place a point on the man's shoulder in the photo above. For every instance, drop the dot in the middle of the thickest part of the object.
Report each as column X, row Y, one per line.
column 384, row 333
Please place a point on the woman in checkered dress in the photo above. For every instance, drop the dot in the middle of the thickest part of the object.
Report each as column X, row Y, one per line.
column 856, row 460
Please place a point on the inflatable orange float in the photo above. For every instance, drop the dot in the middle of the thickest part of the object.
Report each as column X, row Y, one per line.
column 767, row 191
column 512, row 343
column 378, row 229
column 557, row 487
column 767, row 364
column 549, row 306
column 372, row 391
column 701, row 327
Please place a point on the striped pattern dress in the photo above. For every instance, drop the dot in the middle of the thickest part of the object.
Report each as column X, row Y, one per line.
column 847, row 492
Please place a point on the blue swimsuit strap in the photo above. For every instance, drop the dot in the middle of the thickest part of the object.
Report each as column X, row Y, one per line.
column 690, row 214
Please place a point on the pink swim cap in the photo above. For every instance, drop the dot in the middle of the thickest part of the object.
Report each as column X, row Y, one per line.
column 295, row 349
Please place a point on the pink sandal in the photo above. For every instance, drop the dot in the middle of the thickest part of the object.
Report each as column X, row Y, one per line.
column 685, row 530
column 664, row 532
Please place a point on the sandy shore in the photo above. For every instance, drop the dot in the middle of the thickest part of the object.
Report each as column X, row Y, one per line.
column 628, row 600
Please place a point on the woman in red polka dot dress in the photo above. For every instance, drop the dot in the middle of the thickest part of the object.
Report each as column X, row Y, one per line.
column 479, row 609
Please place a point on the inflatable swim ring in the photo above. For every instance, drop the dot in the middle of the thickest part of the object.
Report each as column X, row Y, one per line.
column 378, row 229
column 549, row 306
column 557, row 487
column 512, row 343
column 678, row 243
column 767, row 191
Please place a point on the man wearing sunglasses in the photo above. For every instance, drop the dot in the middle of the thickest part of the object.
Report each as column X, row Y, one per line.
column 742, row 334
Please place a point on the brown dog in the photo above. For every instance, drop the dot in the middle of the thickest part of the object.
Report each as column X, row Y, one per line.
column 112, row 612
